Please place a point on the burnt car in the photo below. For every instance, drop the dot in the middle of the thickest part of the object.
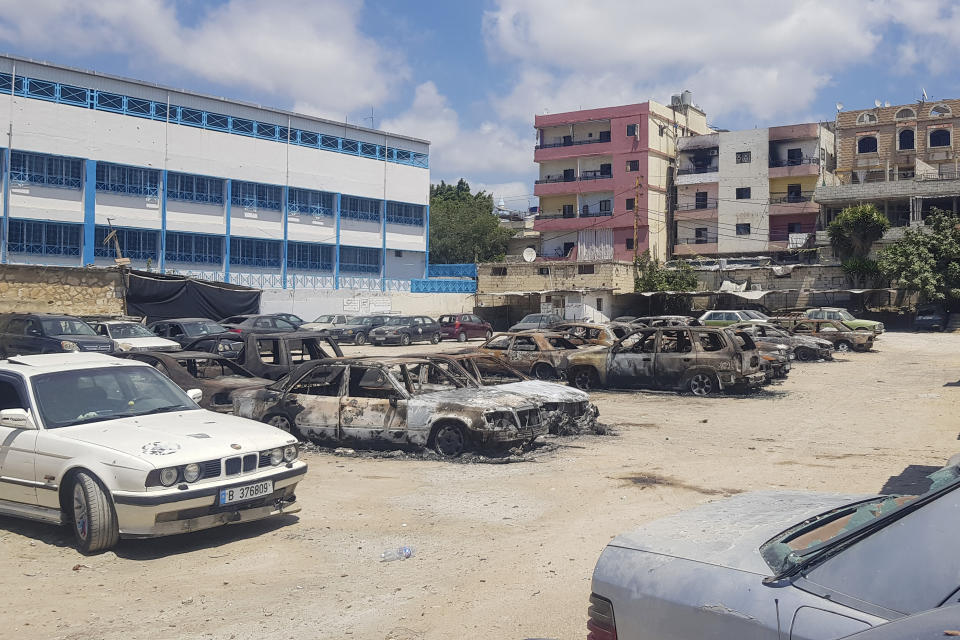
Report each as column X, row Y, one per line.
column 775, row 359
column 197, row 334
column 702, row 360
column 930, row 317
column 590, row 333
column 666, row 321
column 542, row 354
column 843, row 337
column 804, row 348
column 217, row 377
column 403, row 401
column 357, row 330
column 266, row 323
column 273, row 355
column 404, row 330
column 463, row 326
column 783, row 564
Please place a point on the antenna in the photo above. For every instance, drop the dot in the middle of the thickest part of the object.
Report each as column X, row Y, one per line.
column 371, row 118
column 877, row 103
column 839, row 106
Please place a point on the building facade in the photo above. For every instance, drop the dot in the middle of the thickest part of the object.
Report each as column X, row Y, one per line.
column 205, row 186
column 750, row 192
column 591, row 162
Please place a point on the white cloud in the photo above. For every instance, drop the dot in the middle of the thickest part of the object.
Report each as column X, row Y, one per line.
column 309, row 51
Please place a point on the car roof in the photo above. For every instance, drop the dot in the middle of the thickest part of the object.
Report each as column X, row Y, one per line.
column 174, row 355
column 184, row 320
column 54, row 362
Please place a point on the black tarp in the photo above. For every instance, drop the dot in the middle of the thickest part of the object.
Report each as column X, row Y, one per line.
column 161, row 297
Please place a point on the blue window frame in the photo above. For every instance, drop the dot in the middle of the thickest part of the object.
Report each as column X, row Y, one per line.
column 309, row 202
column 359, row 260
column 306, row 255
column 131, row 181
column 44, row 238
column 190, row 188
column 254, row 195
column 255, row 253
column 360, row 208
column 194, row 248
column 53, row 171
column 403, row 213
column 138, row 244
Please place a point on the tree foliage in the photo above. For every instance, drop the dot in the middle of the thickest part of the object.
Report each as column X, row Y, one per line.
column 652, row 276
column 463, row 227
column 854, row 231
column 862, row 272
column 927, row 258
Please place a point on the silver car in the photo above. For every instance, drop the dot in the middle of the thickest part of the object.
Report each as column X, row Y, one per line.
column 778, row 565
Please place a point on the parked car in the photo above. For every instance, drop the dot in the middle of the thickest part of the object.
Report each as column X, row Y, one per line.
column 543, row 355
column 327, row 322
column 215, row 376
column 844, row 316
column 32, row 333
column 257, row 324
column 463, row 326
column 133, row 336
column 403, row 401
column 357, row 329
column 666, row 321
column 782, row 564
column 199, row 334
column 726, row 318
column 537, row 321
column 116, row 449
column 589, row 333
column 843, row 337
column 931, row 317
column 292, row 318
column 697, row 359
column 932, row 624
column 406, row 329
column 804, row 348
column 273, row 355
column 625, row 319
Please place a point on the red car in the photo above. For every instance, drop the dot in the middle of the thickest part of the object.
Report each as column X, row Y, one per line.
column 463, row 326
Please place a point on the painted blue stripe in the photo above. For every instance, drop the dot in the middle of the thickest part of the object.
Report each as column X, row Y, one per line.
column 89, row 210
column 226, row 239
column 162, row 258
column 336, row 248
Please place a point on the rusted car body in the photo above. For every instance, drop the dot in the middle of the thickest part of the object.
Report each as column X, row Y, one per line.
column 540, row 354
column 273, row 355
column 217, row 377
column 804, row 348
column 666, row 321
column 589, row 333
column 843, row 337
column 701, row 360
column 391, row 402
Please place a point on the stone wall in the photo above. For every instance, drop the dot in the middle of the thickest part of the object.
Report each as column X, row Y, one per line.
column 508, row 277
column 69, row 290
column 800, row 277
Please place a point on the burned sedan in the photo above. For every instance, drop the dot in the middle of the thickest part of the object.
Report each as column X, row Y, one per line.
column 782, row 564
column 804, row 348
column 702, row 360
column 402, row 401
column 843, row 337
column 589, row 333
column 543, row 355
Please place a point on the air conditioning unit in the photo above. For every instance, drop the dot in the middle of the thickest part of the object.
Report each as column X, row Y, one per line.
column 714, row 152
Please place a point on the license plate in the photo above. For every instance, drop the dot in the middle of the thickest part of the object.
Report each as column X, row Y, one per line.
column 247, row 492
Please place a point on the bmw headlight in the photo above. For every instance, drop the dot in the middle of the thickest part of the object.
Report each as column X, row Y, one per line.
column 67, row 345
column 276, row 456
column 169, row 476
column 191, row 473
column 290, row 453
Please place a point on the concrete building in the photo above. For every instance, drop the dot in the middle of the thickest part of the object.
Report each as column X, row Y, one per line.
column 749, row 192
column 901, row 158
column 206, row 186
column 590, row 162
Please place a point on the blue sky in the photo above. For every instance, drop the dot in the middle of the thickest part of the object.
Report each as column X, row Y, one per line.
column 470, row 76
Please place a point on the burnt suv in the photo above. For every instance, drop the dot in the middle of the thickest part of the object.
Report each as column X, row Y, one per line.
column 702, row 360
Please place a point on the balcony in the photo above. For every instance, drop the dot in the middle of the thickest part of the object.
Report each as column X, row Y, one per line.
column 587, row 181
column 793, row 203
column 703, row 210
column 701, row 246
column 794, row 167
column 697, row 174
column 874, row 186
column 595, row 175
column 604, row 137
column 572, row 148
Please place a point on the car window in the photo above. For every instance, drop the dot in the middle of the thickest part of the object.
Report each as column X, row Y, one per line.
column 428, row 377
column 447, row 319
column 211, row 368
column 17, row 326
column 323, row 380
column 269, row 351
column 371, row 382
column 284, row 325
column 675, row 341
column 264, row 323
column 10, row 396
column 640, row 342
column 100, row 329
column 128, row 330
column 66, row 327
column 499, row 342
column 304, row 350
column 525, row 343
column 495, row 371
column 827, row 328
column 711, row 341
column 176, row 330
column 560, row 343
column 803, row 327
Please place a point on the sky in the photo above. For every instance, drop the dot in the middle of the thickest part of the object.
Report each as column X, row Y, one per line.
column 470, row 75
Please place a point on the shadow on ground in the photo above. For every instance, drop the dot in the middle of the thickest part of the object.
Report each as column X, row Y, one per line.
column 911, row 481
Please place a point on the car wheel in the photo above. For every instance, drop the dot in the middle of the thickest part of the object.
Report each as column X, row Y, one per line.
column 462, row 336
column 359, row 339
column 435, row 338
column 543, row 371
column 805, row 355
column 448, row 440
column 703, row 384
column 94, row 519
column 488, row 335
column 404, row 339
column 280, row 422
column 844, row 347
column 585, row 379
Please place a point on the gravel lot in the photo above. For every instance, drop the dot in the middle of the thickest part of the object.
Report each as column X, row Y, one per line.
column 505, row 550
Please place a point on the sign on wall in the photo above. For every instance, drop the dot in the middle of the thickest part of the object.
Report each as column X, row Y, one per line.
column 351, row 304
column 381, row 305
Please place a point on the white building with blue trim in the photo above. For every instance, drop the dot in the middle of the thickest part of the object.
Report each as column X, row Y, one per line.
column 205, row 186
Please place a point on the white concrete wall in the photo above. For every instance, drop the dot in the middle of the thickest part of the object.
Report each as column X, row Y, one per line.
column 552, row 242
column 310, row 303
column 755, row 175
column 407, row 266
column 46, row 203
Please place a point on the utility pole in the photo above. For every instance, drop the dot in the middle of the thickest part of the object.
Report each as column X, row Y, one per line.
column 636, row 218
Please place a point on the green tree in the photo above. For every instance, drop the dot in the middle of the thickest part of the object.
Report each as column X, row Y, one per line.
column 463, row 227
column 854, row 231
column 927, row 258
column 652, row 276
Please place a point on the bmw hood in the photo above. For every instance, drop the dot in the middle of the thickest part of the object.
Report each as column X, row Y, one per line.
column 545, row 391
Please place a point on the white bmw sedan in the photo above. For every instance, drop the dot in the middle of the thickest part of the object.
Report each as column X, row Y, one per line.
column 116, row 449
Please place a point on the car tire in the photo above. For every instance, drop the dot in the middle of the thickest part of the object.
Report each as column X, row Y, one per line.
column 805, row 354
column 94, row 518
column 436, row 338
column 543, row 371
column 844, row 346
column 360, row 339
column 488, row 335
column 405, row 339
column 703, row 384
column 462, row 336
column 449, row 440
column 585, row 379
column 281, row 422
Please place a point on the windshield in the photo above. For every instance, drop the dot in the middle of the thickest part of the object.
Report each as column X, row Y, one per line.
column 203, row 328
column 809, row 538
column 447, row 319
column 399, row 321
column 213, row 368
column 364, row 320
column 534, row 317
column 129, row 330
column 325, row 319
column 846, row 315
column 68, row 398
column 66, row 327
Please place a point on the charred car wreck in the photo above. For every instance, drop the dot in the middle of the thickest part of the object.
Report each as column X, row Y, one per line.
column 393, row 402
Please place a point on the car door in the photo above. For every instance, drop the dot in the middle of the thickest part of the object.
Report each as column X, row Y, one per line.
column 17, row 447
column 16, row 337
column 312, row 403
column 374, row 408
column 631, row 364
column 713, row 351
column 268, row 360
column 524, row 352
column 674, row 357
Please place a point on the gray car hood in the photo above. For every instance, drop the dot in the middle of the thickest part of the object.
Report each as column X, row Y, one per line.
column 729, row 532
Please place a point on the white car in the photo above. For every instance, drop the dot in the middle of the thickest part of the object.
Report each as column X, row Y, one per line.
column 328, row 321
column 118, row 450
column 131, row 336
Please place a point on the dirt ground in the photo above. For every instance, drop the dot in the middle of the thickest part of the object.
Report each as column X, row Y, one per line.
column 502, row 551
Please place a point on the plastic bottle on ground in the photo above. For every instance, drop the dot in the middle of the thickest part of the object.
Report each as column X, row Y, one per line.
column 396, row 554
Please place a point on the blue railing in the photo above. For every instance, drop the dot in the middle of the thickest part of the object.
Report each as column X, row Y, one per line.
column 452, row 271
column 443, row 286
column 141, row 108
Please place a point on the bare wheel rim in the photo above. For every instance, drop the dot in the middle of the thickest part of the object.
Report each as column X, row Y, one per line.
column 804, row 355
column 280, row 422
column 543, row 372
column 701, row 384
column 843, row 346
column 461, row 337
column 81, row 512
column 360, row 339
column 435, row 339
column 449, row 441
column 583, row 380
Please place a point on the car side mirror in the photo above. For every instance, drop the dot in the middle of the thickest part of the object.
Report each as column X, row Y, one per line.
column 16, row 419
column 33, row 332
column 195, row 394
column 393, row 403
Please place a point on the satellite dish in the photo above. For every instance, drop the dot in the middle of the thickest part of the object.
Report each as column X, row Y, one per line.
column 877, row 103
column 886, row 104
column 529, row 254
column 839, row 106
